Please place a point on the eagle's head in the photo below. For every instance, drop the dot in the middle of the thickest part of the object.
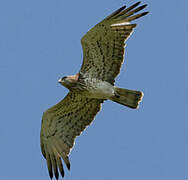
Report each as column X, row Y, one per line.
column 69, row 81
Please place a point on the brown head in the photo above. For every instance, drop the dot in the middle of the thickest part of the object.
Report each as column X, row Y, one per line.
column 69, row 81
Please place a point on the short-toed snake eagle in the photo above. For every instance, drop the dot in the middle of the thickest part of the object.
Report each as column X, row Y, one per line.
column 103, row 54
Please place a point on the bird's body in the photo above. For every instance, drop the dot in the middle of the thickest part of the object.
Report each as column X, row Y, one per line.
column 103, row 55
column 90, row 87
column 101, row 90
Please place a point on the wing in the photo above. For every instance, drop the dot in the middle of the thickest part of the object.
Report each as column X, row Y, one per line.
column 60, row 126
column 103, row 45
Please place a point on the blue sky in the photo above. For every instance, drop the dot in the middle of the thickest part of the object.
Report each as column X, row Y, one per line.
column 40, row 42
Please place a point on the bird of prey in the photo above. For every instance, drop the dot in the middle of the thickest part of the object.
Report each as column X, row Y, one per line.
column 103, row 55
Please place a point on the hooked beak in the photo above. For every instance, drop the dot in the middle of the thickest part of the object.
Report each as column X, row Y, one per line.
column 60, row 80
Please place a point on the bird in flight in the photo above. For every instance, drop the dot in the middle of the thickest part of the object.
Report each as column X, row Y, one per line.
column 103, row 55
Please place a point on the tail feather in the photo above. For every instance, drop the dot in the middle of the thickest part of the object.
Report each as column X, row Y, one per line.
column 126, row 97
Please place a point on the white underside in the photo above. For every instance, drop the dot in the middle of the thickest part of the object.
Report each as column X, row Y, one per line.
column 104, row 90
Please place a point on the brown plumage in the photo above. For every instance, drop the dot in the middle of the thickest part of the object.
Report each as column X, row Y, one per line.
column 103, row 55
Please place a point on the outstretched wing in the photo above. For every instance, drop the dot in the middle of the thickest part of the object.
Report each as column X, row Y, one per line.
column 60, row 126
column 103, row 45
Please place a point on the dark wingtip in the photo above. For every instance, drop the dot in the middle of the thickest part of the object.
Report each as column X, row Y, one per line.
column 116, row 12
column 57, row 175
column 51, row 174
column 68, row 166
column 62, row 173
column 144, row 13
column 123, row 7
column 143, row 6
column 136, row 4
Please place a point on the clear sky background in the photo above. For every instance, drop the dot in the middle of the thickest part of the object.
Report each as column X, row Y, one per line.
column 40, row 42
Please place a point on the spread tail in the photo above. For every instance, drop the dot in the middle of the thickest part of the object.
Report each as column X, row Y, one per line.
column 129, row 98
